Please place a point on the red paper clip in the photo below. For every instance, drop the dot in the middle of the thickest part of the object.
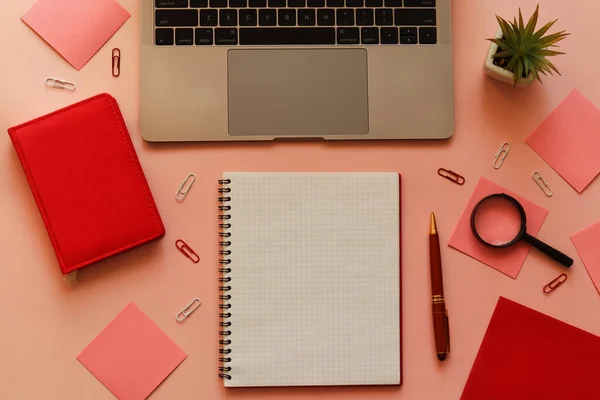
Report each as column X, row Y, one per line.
column 187, row 251
column 562, row 278
column 451, row 176
column 116, row 62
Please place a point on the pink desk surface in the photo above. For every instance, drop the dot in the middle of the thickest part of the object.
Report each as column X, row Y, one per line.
column 46, row 323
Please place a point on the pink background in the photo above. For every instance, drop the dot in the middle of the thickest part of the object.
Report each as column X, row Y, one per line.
column 46, row 323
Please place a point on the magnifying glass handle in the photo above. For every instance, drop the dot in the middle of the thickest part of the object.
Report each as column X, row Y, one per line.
column 548, row 250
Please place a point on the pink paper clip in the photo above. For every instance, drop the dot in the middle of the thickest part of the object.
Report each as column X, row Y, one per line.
column 187, row 251
column 116, row 62
column 550, row 287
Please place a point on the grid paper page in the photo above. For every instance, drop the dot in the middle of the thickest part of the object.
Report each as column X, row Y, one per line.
column 315, row 279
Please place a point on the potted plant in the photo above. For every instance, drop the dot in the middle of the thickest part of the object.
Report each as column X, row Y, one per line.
column 517, row 54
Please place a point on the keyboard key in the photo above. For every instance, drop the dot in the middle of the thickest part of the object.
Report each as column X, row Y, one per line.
column 226, row 36
column 208, row 18
column 428, row 35
column 369, row 35
column 287, row 17
column 408, row 39
column 296, row 3
column 257, row 3
column 218, row 3
column 389, row 35
column 393, row 3
column 184, row 36
column 306, row 17
column 408, row 31
column 384, row 16
column 176, row 17
column 199, row 3
column 238, row 3
column 287, row 36
column 267, row 17
column 345, row 17
column 204, row 36
column 415, row 16
column 419, row 3
column 248, row 18
column 354, row 3
column 316, row 3
column 326, row 17
column 164, row 37
column 347, row 35
column 228, row 17
column 171, row 3
column 276, row 3
column 364, row 16
column 373, row 3
column 335, row 3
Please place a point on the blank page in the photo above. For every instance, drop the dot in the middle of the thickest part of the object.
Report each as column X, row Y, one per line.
column 315, row 279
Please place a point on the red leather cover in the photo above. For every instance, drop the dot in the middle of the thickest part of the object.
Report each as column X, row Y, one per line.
column 526, row 355
column 87, row 182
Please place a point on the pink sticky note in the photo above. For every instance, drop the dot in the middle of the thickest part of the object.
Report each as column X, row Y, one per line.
column 76, row 29
column 586, row 242
column 569, row 140
column 508, row 260
column 131, row 356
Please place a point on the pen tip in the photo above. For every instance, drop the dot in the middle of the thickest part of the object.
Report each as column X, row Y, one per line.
column 432, row 225
column 441, row 356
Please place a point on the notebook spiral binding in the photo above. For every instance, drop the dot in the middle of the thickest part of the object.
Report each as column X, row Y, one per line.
column 224, row 270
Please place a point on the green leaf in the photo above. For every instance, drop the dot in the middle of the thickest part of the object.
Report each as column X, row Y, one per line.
column 554, row 38
column 518, row 73
column 536, row 36
column 513, row 63
column 532, row 22
column 527, row 64
column 521, row 25
column 517, row 32
column 553, row 67
column 504, row 54
column 549, row 52
column 504, row 26
column 501, row 43
column 543, row 64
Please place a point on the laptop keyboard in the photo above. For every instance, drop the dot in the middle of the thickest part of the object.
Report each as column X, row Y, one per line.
column 294, row 22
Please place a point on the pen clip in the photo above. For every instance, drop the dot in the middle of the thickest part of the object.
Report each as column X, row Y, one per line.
column 448, row 331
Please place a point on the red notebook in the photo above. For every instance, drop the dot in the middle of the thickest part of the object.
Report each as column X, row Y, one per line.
column 527, row 355
column 87, row 182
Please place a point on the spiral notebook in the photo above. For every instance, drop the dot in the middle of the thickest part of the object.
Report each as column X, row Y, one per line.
column 310, row 279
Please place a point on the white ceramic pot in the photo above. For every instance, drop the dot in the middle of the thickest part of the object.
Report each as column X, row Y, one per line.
column 501, row 74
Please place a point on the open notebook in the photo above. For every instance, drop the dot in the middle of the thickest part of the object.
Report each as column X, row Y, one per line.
column 310, row 279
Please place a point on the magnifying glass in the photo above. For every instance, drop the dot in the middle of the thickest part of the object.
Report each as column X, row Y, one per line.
column 499, row 221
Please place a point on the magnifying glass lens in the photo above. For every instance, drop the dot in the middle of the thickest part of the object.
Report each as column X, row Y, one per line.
column 498, row 221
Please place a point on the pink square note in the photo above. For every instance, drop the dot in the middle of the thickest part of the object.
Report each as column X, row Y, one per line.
column 131, row 356
column 510, row 260
column 569, row 140
column 587, row 243
column 76, row 29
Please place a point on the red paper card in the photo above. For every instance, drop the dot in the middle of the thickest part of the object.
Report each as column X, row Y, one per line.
column 569, row 140
column 132, row 355
column 527, row 355
column 87, row 182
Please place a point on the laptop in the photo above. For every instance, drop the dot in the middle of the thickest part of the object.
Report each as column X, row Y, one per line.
column 247, row 70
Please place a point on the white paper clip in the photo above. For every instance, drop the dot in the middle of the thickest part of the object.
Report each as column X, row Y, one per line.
column 60, row 84
column 541, row 182
column 501, row 155
column 190, row 308
column 185, row 187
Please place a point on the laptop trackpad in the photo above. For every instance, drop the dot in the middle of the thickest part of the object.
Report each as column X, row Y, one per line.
column 302, row 92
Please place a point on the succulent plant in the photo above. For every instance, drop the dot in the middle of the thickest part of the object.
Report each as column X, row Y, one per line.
column 522, row 50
